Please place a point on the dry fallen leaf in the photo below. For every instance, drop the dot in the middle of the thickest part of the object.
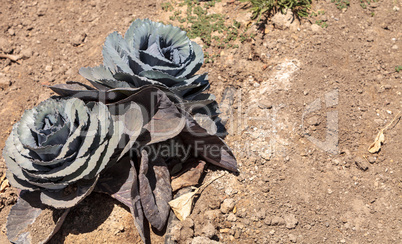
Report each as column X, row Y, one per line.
column 189, row 178
column 376, row 145
column 183, row 205
column 380, row 138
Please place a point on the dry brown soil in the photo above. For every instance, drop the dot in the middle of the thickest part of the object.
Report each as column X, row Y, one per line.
column 307, row 104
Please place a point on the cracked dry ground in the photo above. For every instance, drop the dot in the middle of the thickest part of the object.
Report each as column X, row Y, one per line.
column 289, row 87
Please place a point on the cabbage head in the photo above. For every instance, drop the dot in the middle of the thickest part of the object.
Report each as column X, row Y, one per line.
column 59, row 148
column 150, row 53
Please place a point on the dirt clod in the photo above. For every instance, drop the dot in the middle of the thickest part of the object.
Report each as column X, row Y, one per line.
column 290, row 221
column 227, row 205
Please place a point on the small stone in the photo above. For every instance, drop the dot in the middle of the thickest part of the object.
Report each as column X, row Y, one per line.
column 175, row 231
column 267, row 221
column 230, row 192
column 203, row 240
column 272, row 232
column 186, row 233
column 27, row 53
column 212, row 214
column 5, row 45
column 315, row 28
column 265, row 104
column 231, row 217
column 372, row 159
column 315, row 120
column 227, row 205
column 285, row 21
column 188, row 223
column 4, row 228
column 395, row 47
column 292, row 238
column 290, row 221
column 214, row 204
column 265, row 188
column 237, row 234
column 209, row 230
column 11, row 32
column 41, row 10
column 361, row 163
column 78, row 39
column 276, row 221
column 48, row 68
column 260, row 214
column 4, row 83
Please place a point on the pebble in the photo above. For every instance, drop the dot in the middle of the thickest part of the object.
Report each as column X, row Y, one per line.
column 231, row 217
column 11, row 32
column 276, row 221
column 227, row 205
column 315, row 120
column 212, row 214
column 372, row 159
column 27, row 53
column 203, row 240
column 209, row 230
column 230, row 192
column 4, row 83
column 395, row 47
column 265, row 104
column 48, row 68
column 41, row 10
column 292, row 238
column 5, row 45
column 290, row 221
column 78, row 39
column 316, row 28
column 361, row 163
column 267, row 221
column 215, row 204
column 188, row 222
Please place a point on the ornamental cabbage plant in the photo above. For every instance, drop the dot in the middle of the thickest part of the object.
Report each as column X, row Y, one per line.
column 112, row 138
column 151, row 53
column 56, row 152
column 60, row 143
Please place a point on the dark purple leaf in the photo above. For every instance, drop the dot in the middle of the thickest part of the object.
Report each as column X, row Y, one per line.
column 121, row 182
column 155, row 190
column 211, row 148
column 26, row 214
